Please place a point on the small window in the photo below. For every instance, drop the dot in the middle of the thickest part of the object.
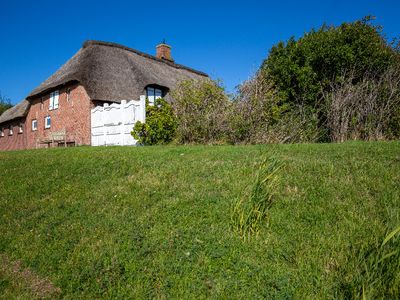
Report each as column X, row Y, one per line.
column 1, row 132
column 68, row 92
column 10, row 130
column 47, row 122
column 53, row 103
column 34, row 125
column 153, row 94
column 21, row 128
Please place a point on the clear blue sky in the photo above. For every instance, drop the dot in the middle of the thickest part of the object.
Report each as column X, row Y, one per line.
column 226, row 39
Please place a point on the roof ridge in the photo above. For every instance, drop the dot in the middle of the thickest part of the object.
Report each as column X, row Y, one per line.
column 115, row 45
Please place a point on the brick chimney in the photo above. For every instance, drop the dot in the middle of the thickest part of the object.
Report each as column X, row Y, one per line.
column 164, row 52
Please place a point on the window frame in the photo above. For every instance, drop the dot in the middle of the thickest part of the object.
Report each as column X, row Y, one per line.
column 34, row 128
column 46, row 125
column 158, row 93
column 1, row 132
column 20, row 128
column 54, row 100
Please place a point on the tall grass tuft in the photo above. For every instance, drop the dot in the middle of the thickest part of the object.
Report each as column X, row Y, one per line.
column 375, row 269
column 250, row 212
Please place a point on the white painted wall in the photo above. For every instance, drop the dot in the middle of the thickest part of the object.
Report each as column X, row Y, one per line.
column 112, row 124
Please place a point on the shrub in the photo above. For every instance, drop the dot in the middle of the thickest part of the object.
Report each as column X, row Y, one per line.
column 305, row 69
column 202, row 110
column 260, row 116
column 302, row 69
column 160, row 126
column 366, row 110
column 256, row 109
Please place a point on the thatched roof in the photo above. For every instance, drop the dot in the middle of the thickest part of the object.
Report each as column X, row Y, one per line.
column 112, row 72
column 18, row 111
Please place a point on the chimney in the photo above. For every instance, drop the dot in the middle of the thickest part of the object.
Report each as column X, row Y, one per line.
column 164, row 52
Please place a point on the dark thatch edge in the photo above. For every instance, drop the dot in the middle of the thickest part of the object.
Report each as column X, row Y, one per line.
column 172, row 64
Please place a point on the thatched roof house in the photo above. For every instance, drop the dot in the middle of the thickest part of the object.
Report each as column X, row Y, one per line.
column 99, row 74
column 109, row 72
column 112, row 72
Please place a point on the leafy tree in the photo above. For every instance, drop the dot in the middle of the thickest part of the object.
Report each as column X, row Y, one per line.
column 4, row 104
column 160, row 124
column 304, row 70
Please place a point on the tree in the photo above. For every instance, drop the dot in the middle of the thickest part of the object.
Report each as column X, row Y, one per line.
column 5, row 104
column 304, row 70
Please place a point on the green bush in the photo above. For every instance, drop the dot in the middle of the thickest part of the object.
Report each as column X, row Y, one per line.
column 160, row 124
column 304, row 70
column 259, row 116
column 333, row 84
column 202, row 109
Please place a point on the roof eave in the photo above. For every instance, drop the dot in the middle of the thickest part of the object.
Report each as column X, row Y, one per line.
column 51, row 88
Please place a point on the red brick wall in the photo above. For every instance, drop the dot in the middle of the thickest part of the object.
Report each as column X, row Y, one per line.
column 17, row 141
column 73, row 115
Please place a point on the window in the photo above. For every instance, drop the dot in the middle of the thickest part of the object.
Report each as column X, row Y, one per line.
column 34, row 125
column 1, row 132
column 10, row 130
column 47, row 122
column 21, row 128
column 153, row 94
column 68, row 92
column 53, row 103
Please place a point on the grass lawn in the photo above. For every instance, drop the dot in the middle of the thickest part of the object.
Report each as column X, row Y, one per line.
column 154, row 222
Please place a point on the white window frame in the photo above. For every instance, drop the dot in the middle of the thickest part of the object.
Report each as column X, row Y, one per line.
column 34, row 124
column 10, row 130
column 1, row 132
column 54, row 100
column 46, row 125
column 21, row 128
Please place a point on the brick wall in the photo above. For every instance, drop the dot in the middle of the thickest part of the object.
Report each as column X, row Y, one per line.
column 73, row 115
column 17, row 140
column 163, row 51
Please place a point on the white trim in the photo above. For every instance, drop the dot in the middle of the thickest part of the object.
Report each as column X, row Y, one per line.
column 53, row 101
column 34, row 127
column 46, row 123
column 56, row 97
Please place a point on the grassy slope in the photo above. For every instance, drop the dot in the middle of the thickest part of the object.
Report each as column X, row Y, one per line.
column 154, row 221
